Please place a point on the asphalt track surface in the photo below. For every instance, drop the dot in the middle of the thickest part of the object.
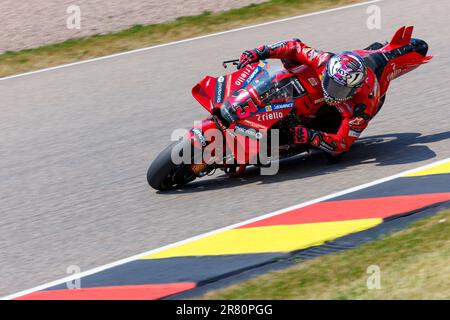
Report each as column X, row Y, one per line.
column 75, row 144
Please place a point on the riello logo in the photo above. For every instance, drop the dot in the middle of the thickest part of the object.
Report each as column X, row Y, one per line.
column 269, row 116
column 245, row 73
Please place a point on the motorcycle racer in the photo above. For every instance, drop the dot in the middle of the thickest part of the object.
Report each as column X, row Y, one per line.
column 318, row 100
column 347, row 83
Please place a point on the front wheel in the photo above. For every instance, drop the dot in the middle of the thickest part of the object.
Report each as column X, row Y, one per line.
column 163, row 174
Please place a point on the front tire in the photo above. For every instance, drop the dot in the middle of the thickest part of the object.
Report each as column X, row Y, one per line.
column 163, row 174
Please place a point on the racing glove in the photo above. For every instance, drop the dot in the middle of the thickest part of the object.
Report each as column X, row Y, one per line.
column 251, row 56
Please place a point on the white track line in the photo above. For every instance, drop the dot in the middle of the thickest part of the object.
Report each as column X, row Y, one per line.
column 135, row 257
column 188, row 40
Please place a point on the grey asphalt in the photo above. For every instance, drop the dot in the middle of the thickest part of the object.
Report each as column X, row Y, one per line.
column 75, row 144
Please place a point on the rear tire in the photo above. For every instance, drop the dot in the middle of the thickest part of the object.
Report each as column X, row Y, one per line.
column 333, row 159
column 161, row 173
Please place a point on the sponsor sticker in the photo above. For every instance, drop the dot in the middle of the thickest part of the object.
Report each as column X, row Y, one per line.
column 326, row 146
column 394, row 74
column 220, row 89
column 199, row 135
column 276, row 106
column 323, row 57
column 310, row 52
column 276, row 45
column 248, row 131
column 252, row 75
column 317, row 101
column 228, row 86
column 243, row 76
column 298, row 86
column 313, row 81
column 226, row 112
column 253, row 124
column 280, row 106
column 358, row 121
column 274, row 115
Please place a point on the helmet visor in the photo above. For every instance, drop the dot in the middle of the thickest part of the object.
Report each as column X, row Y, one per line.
column 336, row 90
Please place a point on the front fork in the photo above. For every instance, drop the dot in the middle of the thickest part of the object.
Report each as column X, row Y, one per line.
column 201, row 136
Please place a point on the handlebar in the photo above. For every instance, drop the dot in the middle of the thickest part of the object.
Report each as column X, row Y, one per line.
column 234, row 62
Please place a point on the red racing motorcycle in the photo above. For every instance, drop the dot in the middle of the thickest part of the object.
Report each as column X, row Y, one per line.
column 268, row 99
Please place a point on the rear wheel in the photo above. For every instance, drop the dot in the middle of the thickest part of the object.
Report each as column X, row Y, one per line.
column 333, row 158
column 163, row 174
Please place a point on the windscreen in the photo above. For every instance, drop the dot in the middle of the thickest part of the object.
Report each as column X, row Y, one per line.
column 264, row 80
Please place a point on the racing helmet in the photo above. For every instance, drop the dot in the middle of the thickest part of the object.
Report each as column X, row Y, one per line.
column 344, row 74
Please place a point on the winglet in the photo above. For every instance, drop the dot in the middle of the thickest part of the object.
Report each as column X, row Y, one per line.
column 408, row 33
column 402, row 36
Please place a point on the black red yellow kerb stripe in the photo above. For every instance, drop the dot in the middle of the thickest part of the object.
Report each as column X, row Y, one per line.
column 192, row 264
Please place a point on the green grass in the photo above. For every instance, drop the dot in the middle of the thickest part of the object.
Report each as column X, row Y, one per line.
column 414, row 264
column 140, row 36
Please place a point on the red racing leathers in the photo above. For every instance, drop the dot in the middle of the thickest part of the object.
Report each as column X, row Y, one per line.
column 356, row 112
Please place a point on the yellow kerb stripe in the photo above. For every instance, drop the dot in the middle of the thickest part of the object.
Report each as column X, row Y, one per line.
column 282, row 238
column 439, row 169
